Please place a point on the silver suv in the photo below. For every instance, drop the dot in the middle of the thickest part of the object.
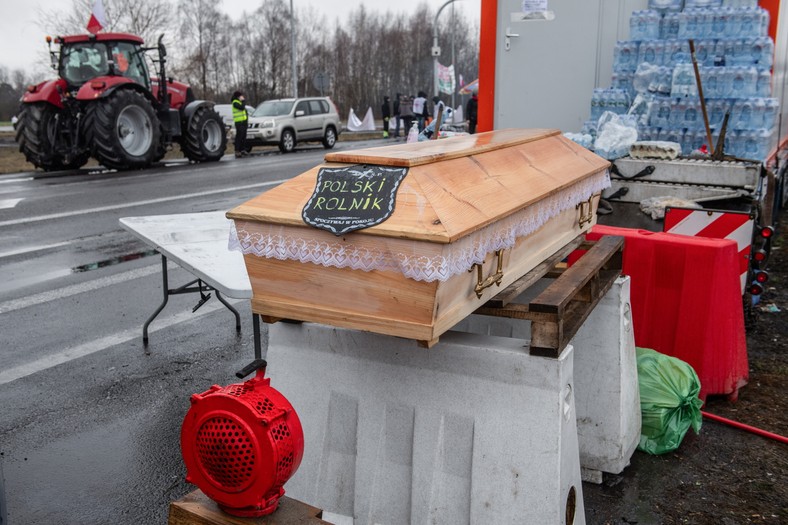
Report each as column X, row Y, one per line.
column 288, row 121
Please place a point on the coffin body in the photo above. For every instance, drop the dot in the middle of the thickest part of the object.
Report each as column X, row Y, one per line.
column 517, row 195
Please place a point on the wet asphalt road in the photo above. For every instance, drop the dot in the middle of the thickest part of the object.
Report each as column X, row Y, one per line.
column 90, row 423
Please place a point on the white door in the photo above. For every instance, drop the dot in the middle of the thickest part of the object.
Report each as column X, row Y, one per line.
column 546, row 74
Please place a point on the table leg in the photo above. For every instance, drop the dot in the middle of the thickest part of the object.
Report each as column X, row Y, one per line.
column 258, row 343
column 233, row 310
column 166, row 290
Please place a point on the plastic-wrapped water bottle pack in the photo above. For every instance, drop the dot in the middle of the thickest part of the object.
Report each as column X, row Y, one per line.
column 654, row 68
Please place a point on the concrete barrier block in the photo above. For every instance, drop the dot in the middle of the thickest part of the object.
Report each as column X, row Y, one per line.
column 605, row 372
column 473, row 430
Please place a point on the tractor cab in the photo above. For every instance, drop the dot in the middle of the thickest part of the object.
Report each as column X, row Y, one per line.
column 86, row 57
column 105, row 105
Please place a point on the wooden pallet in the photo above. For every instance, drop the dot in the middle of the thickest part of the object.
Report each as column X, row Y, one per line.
column 198, row 509
column 557, row 313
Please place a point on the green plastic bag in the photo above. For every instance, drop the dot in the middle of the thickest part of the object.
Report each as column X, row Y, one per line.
column 669, row 401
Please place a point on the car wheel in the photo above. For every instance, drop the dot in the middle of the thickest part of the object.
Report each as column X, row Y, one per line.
column 330, row 138
column 287, row 142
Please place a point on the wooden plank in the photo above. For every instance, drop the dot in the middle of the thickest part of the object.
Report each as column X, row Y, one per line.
column 526, row 281
column 558, row 295
column 426, row 152
column 197, row 509
column 572, row 298
column 573, row 317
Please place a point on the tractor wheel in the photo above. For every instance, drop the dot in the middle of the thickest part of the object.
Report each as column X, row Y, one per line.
column 330, row 138
column 287, row 142
column 36, row 134
column 204, row 139
column 123, row 131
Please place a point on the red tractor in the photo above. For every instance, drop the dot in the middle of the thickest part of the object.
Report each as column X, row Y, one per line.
column 105, row 105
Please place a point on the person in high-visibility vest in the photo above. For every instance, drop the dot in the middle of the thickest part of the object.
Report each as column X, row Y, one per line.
column 241, row 120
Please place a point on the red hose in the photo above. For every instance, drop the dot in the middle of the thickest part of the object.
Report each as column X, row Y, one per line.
column 748, row 428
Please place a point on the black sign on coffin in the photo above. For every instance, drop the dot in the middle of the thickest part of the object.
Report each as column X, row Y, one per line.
column 353, row 197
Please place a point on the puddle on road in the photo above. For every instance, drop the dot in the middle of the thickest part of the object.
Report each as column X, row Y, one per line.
column 113, row 261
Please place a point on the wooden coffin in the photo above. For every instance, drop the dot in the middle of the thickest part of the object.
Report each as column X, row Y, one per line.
column 505, row 200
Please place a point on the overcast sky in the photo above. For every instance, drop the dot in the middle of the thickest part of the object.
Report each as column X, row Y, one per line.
column 22, row 36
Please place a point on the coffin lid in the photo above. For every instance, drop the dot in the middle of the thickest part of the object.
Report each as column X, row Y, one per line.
column 454, row 186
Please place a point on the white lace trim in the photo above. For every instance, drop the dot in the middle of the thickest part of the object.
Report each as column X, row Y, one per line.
column 418, row 260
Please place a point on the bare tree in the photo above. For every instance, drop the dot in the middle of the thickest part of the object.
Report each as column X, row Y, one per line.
column 198, row 33
column 144, row 18
column 366, row 55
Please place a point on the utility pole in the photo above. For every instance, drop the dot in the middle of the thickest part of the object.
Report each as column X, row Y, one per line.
column 293, row 50
column 436, row 51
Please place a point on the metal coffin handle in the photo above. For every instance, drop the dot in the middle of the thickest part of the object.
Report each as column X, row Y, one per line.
column 496, row 278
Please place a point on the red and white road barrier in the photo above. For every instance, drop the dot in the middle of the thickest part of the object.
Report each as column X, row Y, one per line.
column 737, row 226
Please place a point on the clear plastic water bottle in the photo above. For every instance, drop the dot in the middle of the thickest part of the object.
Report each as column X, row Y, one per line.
column 676, row 119
column 669, row 26
column 718, row 23
column 596, row 104
column 704, row 23
column 716, row 109
column 676, row 52
column 692, row 115
column 662, row 119
column 758, row 110
column 751, row 148
column 764, row 86
column 664, row 80
column 762, row 51
column 742, row 114
column 637, row 25
column 770, row 111
column 683, row 81
column 623, row 101
column 704, row 52
column 688, row 24
column 733, row 24
column 726, row 47
column 708, row 76
column 651, row 52
column 687, row 140
column 625, row 56
column 644, row 25
column 751, row 81
column 750, row 23
column 738, row 82
column 413, row 134
column 764, row 17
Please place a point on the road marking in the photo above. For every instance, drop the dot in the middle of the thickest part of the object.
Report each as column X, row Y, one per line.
column 7, row 181
column 103, row 343
column 31, row 249
column 138, row 203
column 68, row 291
column 9, row 203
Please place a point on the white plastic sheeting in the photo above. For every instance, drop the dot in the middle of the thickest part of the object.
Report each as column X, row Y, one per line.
column 354, row 124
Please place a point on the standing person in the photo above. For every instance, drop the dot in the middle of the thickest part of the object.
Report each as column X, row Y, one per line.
column 406, row 109
column 396, row 115
column 420, row 109
column 472, row 112
column 437, row 104
column 386, row 112
column 241, row 119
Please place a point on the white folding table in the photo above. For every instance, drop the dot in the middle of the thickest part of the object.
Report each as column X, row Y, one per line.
column 197, row 242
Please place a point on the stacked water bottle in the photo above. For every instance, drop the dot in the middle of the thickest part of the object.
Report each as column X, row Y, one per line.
column 734, row 56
